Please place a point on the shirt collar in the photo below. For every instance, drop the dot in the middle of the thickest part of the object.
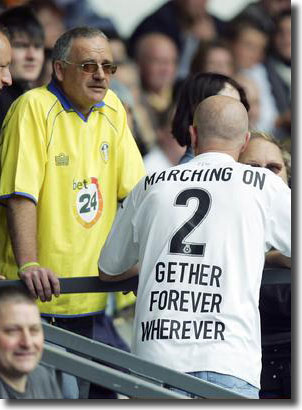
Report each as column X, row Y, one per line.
column 209, row 158
column 54, row 88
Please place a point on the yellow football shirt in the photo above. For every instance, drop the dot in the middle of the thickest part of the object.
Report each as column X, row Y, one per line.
column 75, row 170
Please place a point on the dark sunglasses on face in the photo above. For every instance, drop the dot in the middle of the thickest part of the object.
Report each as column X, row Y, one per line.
column 91, row 67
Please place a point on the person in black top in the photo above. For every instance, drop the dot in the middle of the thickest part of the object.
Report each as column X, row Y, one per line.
column 27, row 41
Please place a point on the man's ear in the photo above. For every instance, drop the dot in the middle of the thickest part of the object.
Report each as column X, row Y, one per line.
column 246, row 141
column 59, row 69
column 194, row 137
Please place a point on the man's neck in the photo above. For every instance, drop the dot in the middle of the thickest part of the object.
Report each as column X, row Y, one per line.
column 232, row 153
column 18, row 383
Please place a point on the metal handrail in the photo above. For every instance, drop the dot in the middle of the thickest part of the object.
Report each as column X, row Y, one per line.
column 92, row 284
column 129, row 363
column 97, row 373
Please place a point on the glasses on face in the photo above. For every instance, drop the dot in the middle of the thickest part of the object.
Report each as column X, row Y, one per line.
column 92, row 68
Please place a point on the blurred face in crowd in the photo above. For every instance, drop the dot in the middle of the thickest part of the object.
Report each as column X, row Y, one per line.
column 157, row 62
column 5, row 60
column 27, row 58
column 249, row 48
column 84, row 89
column 253, row 96
column 21, row 339
column 274, row 7
column 52, row 24
column 192, row 8
column 282, row 39
column 266, row 154
column 220, row 60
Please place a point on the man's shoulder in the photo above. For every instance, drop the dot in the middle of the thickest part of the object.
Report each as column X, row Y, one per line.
column 37, row 96
column 112, row 102
column 44, row 377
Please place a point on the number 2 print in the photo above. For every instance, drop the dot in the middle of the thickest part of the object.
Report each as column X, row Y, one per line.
column 178, row 245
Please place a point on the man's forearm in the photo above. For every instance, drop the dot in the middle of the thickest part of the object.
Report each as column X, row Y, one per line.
column 130, row 273
column 22, row 226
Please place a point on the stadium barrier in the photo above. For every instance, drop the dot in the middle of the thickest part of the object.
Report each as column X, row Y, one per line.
column 130, row 375
column 127, row 362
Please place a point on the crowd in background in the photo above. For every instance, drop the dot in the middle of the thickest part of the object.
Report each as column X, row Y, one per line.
column 178, row 40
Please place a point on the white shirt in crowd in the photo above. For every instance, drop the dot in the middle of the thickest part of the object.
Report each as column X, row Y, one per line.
column 200, row 232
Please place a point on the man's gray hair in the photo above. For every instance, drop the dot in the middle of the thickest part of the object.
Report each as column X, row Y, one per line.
column 62, row 46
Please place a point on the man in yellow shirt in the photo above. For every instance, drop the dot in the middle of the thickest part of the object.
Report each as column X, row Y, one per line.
column 65, row 155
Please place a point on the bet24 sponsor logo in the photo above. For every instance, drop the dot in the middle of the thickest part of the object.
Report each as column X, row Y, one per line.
column 88, row 204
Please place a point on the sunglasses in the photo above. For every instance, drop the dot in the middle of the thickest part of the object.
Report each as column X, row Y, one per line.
column 91, row 68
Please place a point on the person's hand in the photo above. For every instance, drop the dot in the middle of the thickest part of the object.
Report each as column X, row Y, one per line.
column 41, row 282
column 2, row 277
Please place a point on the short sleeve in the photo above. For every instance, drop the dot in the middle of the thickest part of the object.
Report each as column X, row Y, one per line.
column 120, row 251
column 279, row 227
column 23, row 150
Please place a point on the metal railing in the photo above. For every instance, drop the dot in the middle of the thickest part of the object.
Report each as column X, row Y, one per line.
column 130, row 375
column 92, row 284
column 131, row 364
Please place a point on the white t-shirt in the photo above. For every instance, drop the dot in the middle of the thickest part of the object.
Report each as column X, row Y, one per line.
column 200, row 232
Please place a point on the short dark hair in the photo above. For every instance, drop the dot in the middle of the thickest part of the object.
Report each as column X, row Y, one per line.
column 204, row 48
column 16, row 294
column 22, row 19
column 195, row 89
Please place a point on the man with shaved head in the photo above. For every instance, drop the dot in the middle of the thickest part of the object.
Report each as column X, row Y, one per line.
column 199, row 232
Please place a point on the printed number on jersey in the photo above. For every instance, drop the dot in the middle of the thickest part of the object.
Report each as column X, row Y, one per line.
column 178, row 243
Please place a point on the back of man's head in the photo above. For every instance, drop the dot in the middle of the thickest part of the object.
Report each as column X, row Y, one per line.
column 221, row 121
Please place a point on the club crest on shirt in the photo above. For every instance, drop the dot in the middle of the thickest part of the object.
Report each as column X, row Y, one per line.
column 62, row 159
column 104, row 150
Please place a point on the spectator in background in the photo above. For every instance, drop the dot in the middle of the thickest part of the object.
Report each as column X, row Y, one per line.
column 21, row 346
column 167, row 152
column 249, row 44
column 5, row 59
column 128, row 75
column 213, row 56
column 167, row 225
column 253, row 96
column 264, row 150
column 278, row 65
column 128, row 101
column 81, row 13
column 71, row 145
column 194, row 90
column 156, row 57
column 27, row 40
column 265, row 11
column 186, row 22
column 51, row 17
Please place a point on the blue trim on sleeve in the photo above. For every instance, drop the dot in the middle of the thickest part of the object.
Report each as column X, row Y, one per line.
column 66, row 104
column 32, row 198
